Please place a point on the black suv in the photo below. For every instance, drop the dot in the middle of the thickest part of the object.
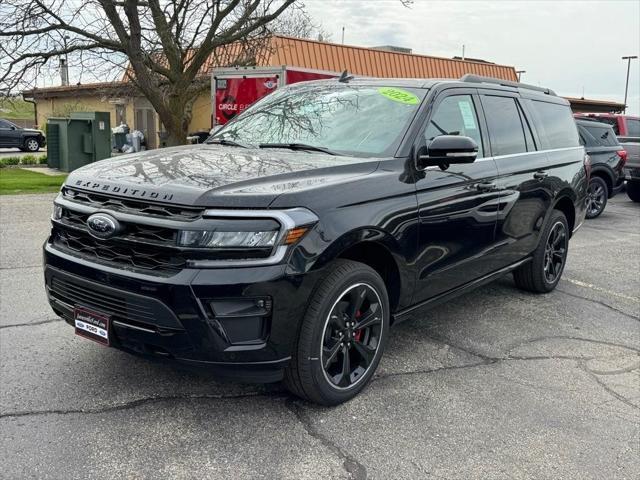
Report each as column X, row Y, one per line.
column 608, row 158
column 287, row 245
column 26, row 139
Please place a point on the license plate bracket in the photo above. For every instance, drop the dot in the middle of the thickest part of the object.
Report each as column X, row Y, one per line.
column 92, row 325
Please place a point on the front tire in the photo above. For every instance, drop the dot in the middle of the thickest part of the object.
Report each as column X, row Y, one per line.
column 543, row 272
column 633, row 190
column 598, row 194
column 31, row 145
column 342, row 336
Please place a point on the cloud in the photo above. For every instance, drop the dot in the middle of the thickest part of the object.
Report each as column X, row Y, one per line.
column 565, row 45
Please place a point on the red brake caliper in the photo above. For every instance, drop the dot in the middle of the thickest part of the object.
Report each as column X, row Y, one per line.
column 358, row 333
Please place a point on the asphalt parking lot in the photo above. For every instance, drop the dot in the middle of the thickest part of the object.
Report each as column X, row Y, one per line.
column 496, row 384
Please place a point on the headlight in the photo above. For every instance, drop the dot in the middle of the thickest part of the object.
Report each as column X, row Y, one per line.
column 57, row 212
column 256, row 229
column 214, row 239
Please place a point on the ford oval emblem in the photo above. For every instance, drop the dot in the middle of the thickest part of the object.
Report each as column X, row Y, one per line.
column 102, row 226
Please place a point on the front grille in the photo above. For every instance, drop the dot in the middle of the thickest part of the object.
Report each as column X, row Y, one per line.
column 127, row 255
column 74, row 295
column 135, row 207
column 132, row 231
column 138, row 246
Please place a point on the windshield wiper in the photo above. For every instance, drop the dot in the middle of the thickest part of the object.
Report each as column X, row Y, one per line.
column 298, row 146
column 226, row 142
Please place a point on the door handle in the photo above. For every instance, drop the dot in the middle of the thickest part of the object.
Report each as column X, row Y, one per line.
column 485, row 186
column 540, row 175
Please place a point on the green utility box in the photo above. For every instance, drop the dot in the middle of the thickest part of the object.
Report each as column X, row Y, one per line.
column 83, row 138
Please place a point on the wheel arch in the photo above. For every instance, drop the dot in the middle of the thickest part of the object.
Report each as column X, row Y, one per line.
column 605, row 174
column 566, row 205
column 380, row 251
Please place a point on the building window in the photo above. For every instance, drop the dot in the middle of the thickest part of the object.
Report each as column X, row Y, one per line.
column 121, row 114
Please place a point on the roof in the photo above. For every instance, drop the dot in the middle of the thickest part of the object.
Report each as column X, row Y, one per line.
column 82, row 89
column 600, row 106
column 375, row 63
column 297, row 52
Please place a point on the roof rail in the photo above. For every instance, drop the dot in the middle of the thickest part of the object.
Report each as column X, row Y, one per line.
column 469, row 77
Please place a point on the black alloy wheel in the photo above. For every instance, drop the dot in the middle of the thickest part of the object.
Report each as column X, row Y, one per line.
column 597, row 197
column 555, row 252
column 541, row 273
column 342, row 335
column 351, row 336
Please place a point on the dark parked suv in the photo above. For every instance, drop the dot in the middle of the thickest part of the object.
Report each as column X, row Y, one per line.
column 26, row 139
column 608, row 159
column 287, row 246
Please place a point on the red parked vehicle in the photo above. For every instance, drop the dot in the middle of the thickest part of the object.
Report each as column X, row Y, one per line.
column 235, row 89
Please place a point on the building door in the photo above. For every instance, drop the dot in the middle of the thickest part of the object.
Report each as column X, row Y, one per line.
column 145, row 121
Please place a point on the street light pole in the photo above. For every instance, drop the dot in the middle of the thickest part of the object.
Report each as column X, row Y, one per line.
column 626, row 85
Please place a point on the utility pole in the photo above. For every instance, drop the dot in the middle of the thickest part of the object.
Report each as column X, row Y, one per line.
column 626, row 85
column 342, row 35
column 463, row 51
column 519, row 73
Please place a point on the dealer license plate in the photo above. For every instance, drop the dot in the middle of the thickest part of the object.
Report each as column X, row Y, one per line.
column 92, row 325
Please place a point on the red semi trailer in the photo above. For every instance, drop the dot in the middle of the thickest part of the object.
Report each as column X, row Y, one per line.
column 235, row 89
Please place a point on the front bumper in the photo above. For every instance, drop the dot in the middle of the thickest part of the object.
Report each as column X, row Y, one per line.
column 171, row 318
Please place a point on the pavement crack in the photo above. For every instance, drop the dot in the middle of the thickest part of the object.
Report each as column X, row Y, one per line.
column 569, row 337
column 22, row 267
column 354, row 468
column 30, row 324
column 426, row 371
column 606, row 388
column 133, row 404
column 599, row 302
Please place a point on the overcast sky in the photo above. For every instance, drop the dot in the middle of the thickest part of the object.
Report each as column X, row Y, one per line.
column 564, row 45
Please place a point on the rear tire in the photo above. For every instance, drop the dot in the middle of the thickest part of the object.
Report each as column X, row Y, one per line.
column 633, row 190
column 598, row 194
column 543, row 272
column 334, row 359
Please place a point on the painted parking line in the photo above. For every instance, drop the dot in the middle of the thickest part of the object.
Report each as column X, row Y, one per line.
column 601, row 290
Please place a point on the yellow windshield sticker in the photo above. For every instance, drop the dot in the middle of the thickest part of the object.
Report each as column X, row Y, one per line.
column 399, row 95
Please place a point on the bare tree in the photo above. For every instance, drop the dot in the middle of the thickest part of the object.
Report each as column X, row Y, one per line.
column 162, row 45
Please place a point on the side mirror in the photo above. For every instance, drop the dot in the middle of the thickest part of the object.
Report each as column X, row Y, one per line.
column 445, row 150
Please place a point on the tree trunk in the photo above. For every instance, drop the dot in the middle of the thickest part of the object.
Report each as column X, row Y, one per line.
column 175, row 116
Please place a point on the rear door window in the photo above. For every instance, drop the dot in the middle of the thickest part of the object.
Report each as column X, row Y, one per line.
column 556, row 124
column 506, row 130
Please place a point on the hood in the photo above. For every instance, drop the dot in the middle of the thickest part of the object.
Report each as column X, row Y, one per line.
column 33, row 130
column 217, row 176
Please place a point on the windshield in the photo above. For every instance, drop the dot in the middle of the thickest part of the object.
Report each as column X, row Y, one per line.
column 350, row 120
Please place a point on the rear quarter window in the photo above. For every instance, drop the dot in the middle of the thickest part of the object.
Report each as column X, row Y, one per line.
column 604, row 136
column 555, row 124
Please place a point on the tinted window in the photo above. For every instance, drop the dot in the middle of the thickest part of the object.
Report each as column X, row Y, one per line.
column 603, row 136
column 455, row 115
column 613, row 121
column 556, row 124
column 4, row 125
column 505, row 128
column 350, row 119
column 633, row 127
